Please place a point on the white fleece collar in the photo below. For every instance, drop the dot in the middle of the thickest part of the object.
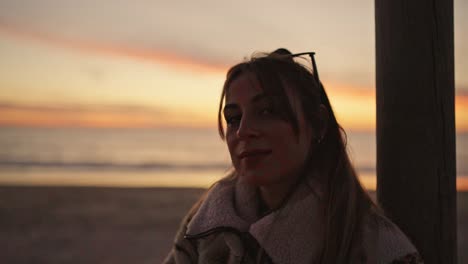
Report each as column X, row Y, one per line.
column 292, row 234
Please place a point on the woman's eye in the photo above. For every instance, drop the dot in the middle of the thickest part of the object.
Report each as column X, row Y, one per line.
column 233, row 120
column 266, row 111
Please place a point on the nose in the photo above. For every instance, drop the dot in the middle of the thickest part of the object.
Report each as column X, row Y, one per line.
column 247, row 128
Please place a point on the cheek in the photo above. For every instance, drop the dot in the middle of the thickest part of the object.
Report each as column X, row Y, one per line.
column 290, row 155
column 231, row 144
column 287, row 156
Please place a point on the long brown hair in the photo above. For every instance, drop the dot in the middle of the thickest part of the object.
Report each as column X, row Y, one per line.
column 346, row 200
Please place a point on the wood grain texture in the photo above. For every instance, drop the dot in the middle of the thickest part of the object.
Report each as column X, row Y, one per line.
column 416, row 173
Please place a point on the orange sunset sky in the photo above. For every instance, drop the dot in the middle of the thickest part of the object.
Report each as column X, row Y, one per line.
column 158, row 64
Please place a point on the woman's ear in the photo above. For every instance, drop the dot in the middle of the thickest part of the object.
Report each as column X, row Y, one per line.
column 323, row 117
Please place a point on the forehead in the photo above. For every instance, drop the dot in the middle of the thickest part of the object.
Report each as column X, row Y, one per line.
column 243, row 88
column 247, row 85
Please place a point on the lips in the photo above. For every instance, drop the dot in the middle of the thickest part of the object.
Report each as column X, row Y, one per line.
column 254, row 153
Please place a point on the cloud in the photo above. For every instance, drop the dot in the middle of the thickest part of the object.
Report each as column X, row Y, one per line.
column 461, row 90
column 126, row 116
column 212, row 33
column 192, row 31
column 112, row 49
column 205, row 32
column 81, row 108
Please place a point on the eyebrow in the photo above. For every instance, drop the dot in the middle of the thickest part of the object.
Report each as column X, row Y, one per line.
column 255, row 99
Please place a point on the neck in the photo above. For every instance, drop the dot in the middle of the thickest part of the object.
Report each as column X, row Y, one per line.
column 274, row 195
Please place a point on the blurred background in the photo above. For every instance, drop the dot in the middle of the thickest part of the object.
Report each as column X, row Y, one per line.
column 108, row 112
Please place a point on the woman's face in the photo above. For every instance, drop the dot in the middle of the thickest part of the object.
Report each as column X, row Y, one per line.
column 264, row 148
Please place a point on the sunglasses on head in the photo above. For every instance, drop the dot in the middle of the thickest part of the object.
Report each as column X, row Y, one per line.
column 314, row 65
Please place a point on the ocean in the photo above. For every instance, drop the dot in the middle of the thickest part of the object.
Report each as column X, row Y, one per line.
column 144, row 157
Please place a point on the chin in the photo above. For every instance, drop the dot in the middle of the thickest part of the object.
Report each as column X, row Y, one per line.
column 253, row 178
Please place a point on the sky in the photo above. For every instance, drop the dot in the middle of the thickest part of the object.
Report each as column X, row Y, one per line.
column 162, row 63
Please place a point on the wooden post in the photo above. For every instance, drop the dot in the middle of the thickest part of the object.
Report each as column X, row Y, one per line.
column 415, row 122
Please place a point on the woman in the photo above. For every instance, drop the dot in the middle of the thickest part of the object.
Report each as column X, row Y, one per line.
column 293, row 195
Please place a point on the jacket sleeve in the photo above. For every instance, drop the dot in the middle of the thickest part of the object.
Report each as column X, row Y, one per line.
column 385, row 242
column 184, row 250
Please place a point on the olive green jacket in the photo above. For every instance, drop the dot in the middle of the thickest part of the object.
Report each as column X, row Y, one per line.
column 225, row 228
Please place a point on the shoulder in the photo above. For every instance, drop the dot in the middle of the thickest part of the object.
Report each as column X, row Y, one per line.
column 200, row 239
column 385, row 242
column 205, row 202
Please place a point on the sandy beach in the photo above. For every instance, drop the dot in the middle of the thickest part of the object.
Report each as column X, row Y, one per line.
column 107, row 225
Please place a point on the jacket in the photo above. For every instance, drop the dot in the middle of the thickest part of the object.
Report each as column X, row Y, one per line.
column 225, row 227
